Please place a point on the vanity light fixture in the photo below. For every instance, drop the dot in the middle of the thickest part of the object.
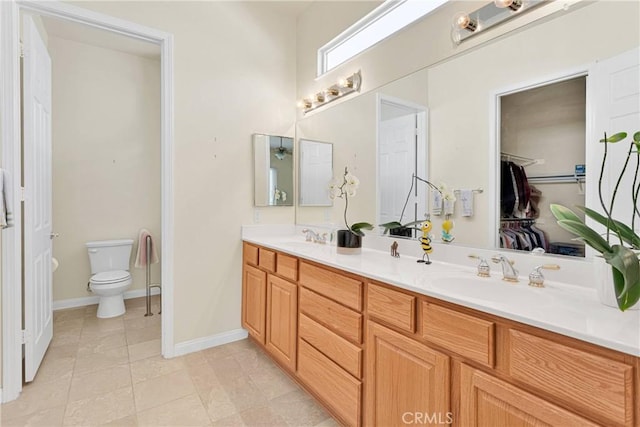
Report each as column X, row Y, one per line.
column 344, row 87
column 466, row 25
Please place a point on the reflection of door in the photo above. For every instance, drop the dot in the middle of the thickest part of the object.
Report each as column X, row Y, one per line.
column 38, row 314
column 317, row 159
column 616, row 84
column 397, row 162
column 273, row 185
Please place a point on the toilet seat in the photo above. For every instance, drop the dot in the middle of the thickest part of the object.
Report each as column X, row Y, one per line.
column 110, row 277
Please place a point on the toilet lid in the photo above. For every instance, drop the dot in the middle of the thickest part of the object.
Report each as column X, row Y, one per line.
column 111, row 276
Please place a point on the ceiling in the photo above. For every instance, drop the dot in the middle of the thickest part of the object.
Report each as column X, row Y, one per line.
column 86, row 34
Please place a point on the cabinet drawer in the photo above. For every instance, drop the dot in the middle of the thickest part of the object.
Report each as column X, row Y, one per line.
column 396, row 308
column 338, row 389
column 287, row 266
column 340, row 288
column 466, row 335
column 341, row 351
column 340, row 319
column 250, row 254
column 592, row 383
column 267, row 260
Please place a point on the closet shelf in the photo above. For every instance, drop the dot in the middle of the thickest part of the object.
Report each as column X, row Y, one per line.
column 520, row 160
column 556, row 179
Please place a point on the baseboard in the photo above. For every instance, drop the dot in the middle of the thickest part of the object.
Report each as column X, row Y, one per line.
column 84, row 301
column 203, row 343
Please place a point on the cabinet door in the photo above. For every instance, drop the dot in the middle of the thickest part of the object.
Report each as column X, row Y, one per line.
column 282, row 311
column 254, row 300
column 488, row 401
column 407, row 382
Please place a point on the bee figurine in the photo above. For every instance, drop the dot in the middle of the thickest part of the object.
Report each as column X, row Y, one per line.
column 425, row 241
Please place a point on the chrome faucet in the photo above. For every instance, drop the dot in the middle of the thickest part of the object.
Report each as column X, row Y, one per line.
column 312, row 236
column 509, row 273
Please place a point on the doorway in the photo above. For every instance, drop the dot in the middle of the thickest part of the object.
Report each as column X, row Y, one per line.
column 401, row 154
column 10, row 109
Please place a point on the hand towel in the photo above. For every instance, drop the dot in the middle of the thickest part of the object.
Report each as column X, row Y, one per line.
column 436, row 202
column 6, row 200
column 141, row 256
column 466, row 197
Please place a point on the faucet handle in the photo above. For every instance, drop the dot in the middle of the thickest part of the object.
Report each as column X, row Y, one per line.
column 483, row 267
column 536, row 279
column 499, row 258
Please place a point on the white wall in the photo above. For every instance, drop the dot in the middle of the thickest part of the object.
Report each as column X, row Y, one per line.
column 234, row 76
column 460, row 92
column 106, row 156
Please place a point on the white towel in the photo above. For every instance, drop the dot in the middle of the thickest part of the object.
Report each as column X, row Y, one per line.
column 466, row 197
column 141, row 256
column 436, row 202
column 6, row 200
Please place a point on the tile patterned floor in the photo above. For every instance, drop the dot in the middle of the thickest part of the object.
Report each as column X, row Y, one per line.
column 110, row 372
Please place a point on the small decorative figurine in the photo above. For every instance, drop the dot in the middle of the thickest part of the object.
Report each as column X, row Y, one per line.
column 425, row 241
column 447, row 226
column 394, row 250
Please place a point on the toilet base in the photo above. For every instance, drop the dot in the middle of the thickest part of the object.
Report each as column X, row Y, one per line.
column 111, row 306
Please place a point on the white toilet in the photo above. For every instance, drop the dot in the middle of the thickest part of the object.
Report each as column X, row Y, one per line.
column 110, row 274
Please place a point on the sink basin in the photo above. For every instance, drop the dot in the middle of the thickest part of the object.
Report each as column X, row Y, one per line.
column 489, row 289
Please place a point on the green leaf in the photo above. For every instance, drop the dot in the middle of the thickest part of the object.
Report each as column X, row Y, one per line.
column 636, row 140
column 621, row 229
column 615, row 138
column 359, row 226
column 589, row 236
column 561, row 212
column 390, row 226
column 626, row 275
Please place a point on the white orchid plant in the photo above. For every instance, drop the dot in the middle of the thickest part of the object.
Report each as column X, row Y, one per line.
column 345, row 188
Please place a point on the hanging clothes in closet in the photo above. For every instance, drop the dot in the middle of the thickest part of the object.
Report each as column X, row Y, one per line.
column 519, row 208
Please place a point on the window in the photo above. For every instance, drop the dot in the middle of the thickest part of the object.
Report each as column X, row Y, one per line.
column 383, row 21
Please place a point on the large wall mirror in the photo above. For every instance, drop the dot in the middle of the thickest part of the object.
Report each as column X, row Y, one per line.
column 273, row 169
column 463, row 127
column 316, row 172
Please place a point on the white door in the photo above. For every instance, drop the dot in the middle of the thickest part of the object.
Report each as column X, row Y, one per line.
column 38, row 314
column 616, row 99
column 317, row 159
column 396, row 165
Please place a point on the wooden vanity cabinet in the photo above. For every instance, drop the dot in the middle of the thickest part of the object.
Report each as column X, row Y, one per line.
column 282, row 313
column 488, row 401
column 254, row 299
column 378, row 355
column 407, row 381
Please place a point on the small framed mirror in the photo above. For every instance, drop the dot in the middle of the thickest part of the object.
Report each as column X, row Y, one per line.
column 273, row 170
column 316, row 171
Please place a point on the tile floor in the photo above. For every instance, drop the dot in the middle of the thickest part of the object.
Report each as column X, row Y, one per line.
column 110, row 372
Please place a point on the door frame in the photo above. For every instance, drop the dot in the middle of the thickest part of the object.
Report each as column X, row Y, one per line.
column 422, row 151
column 493, row 224
column 10, row 138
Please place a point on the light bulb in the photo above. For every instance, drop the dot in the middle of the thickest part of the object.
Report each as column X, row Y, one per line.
column 511, row 4
column 346, row 83
column 319, row 97
column 332, row 91
column 304, row 103
column 464, row 22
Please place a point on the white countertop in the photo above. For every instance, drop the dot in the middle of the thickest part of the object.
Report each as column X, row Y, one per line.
column 570, row 310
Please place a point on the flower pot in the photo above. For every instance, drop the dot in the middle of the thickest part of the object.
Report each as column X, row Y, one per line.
column 604, row 284
column 348, row 243
column 401, row 231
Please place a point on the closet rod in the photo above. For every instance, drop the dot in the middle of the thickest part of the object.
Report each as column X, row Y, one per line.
column 556, row 179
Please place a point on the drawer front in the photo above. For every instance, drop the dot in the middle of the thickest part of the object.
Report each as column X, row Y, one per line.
column 287, row 266
column 339, row 319
column 267, row 260
column 250, row 253
column 590, row 382
column 466, row 335
column 396, row 308
column 341, row 351
column 338, row 389
column 340, row 288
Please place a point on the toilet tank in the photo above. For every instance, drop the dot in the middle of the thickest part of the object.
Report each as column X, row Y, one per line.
column 108, row 255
